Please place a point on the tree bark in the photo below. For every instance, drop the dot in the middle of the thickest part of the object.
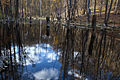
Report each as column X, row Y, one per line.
column 16, row 9
column 22, row 10
column 101, row 7
column 117, row 7
column 95, row 8
column 40, row 8
column 1, row 8
column 106, row 12
column 88, row 11
column 109, row 10
column 85, row 6
column 115, row 10
column 10, row 8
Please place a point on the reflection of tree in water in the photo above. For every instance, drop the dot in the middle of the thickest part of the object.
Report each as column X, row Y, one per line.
column 10, row 37
column 83, row 52
column 96, row 52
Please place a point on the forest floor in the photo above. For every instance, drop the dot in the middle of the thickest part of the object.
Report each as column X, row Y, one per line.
column 113, row 29
column 114, row 19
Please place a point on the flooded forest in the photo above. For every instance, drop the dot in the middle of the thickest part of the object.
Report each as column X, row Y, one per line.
column 59, row 39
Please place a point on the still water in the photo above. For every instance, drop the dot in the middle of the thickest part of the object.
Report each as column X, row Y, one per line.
column 42, row 51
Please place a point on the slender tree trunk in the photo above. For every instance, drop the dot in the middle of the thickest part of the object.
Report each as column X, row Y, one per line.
column 95, row 8
column 84, row 42
column 6, row 11
column 109, row 10
column 22, row 9
column 100, row 50
column 25, row 11
column 61, row 8
column 16, row 11
column 40, row 9
column 92, row 40
column 74, row 8
column 10, row 8
column 68, row 9
column 65, row 7
column 10, row 57
column 106, row 12
column 117, row 5
column 35, row 8
column 1, row 8
column 1, row 43
column 88, row 11
column 85, row 6
column 101, row 7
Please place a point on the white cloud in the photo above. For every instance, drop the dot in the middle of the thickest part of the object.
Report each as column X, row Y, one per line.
column 47, row 74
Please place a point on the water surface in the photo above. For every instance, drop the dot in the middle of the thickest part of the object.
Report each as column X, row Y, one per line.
column 50, row 52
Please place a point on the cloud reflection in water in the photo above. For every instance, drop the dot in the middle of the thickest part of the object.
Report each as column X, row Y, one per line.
column 47, row 74
column 40, row 53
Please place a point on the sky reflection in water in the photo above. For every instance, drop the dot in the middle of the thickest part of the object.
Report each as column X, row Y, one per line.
column 45, row 61
column 40, row 54
column 42, row 63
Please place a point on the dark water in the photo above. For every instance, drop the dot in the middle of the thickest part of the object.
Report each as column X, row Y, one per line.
column 54, row 52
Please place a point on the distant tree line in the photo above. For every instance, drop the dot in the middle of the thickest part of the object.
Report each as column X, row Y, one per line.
column 64, row 8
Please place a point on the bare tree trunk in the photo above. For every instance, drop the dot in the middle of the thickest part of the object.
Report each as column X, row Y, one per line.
column 0, row 43
column 109, row 10
column 95, row 8
column 117, row 6
column 74, row 8
column 88, row 11
column 16, row 9
column 6, row 11
column 25, row 11
column 85, row 6
column 1, row 8
column 40, row 8
column 101, row 7
column 22, row 9
column 68, row 9
column 65, row 7
column 100, row 51
column 60, row 8
column 106, row 12
column 10, row 8
column 35, row 8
